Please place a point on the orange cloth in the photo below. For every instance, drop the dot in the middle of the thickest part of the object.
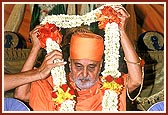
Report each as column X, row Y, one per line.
column 40, row 95
column 87, row 100
column 122, row 96
column 86, row 46
column 91, row 99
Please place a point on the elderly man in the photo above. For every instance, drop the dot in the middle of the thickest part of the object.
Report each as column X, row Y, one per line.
column 86, row 56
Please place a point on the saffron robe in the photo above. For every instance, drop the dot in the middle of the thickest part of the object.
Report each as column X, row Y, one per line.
column 87, row 100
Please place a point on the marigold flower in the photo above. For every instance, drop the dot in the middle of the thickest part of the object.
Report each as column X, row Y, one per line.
column 49, row 31
column 108, row 15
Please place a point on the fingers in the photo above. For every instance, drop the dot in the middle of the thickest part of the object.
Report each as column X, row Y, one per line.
column 54, row 55
column 35, row 30
column 48, row 63
column 122, row 10
column 59, row 64
column 46, row 69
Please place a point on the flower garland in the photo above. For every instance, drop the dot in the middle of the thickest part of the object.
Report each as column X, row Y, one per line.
column 44, row 9
column 111, row 88
column 62, row 95
column 112, row 82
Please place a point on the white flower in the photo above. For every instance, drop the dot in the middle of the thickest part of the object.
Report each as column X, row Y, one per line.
column 58, row 74
column 67, row 105
column 110, row 101
column 112, row 45
column 51, row 45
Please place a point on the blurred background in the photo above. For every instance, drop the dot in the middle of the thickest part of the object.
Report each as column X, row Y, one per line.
column 145, row 29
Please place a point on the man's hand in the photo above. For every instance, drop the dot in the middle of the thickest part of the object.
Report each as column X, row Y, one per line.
column 48, row 63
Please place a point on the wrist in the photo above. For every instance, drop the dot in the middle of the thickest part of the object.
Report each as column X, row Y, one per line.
column 122, row 31
column 39, row 74
column 139, row 62
column 35, row 48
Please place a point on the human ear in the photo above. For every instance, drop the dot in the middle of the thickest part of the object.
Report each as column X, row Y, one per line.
column 69, row 60
column 101, row 63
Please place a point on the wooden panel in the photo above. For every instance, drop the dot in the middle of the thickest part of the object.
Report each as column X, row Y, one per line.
column 7, row 11
column 25, row 25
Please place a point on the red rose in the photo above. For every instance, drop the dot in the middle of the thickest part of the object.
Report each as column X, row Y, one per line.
column 119, row 80
column 64, row 87
column 54, row 95
column 109, row 78
column 72, row 92
column 142, row 62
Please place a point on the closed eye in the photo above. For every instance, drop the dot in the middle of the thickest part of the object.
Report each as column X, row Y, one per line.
column 91, row 67
column 78, row 66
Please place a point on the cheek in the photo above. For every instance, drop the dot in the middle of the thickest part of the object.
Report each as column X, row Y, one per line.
column 75, row 73
column 93, row 75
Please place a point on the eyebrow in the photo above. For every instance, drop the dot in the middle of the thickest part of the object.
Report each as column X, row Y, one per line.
column 93, row 64
column 76, row 63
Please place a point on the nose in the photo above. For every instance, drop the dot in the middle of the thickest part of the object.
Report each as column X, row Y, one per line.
column 85, row 72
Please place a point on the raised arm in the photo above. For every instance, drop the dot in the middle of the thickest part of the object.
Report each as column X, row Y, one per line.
column 28, row 74
column 131, row 57
column 22, row 92
column 12, row 81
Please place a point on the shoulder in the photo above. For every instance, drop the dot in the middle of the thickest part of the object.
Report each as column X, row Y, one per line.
column 44, row 82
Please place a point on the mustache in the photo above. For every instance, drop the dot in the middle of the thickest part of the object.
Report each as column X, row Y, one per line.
column 84, row 78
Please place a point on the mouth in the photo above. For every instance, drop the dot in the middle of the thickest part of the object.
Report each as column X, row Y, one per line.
column 84, row 80
column 83, row 83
